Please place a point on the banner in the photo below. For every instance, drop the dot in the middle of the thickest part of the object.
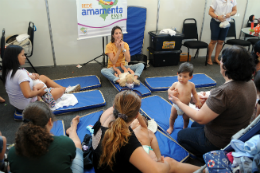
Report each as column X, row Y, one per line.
column 96, row 18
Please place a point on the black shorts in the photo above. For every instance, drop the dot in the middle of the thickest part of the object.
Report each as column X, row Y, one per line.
column 217, row 33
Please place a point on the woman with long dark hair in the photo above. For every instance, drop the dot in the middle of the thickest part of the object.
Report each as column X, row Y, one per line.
column 118, row 53
column 37, row 150
column 18, row 84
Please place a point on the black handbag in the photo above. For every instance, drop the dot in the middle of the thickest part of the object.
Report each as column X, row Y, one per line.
column 139, row 58
column 87, row 151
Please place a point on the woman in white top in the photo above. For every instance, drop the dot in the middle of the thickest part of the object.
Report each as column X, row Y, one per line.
column 18, row 84
column 220, row 11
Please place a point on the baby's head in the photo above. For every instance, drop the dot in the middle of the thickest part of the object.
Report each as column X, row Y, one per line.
column 185, row 71
column 129, row 81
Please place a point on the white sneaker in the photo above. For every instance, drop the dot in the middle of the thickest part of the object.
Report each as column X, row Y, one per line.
column 72, row 89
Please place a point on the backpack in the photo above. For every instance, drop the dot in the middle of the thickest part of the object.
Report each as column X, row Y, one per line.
column 26, row 44
column 87, row 151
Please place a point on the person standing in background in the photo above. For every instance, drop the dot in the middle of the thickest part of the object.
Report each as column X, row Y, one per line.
column 220, row 11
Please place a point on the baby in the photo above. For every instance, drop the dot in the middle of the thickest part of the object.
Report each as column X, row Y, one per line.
column 52, row 94
column 126, row 79
column 146, row 137
column 183, row 90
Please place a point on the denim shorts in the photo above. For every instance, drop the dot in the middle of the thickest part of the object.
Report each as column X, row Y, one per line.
column 217, row 33
column 1, row 144
column 77, row 163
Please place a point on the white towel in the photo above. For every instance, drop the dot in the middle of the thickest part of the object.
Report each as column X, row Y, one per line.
column 22, row 37
column 168, row 31
column 64, row 101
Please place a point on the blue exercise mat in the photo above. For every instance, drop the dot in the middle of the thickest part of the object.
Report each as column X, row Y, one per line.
column 141, row 88
column 86, row 100
column 58, row 128
column 168, row 147
column 86, row 120
column 155, row 107
column 135, row 26
column 86, row 82
column 164, row 83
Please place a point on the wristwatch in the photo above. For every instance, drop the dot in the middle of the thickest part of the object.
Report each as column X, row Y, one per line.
column 124, row 50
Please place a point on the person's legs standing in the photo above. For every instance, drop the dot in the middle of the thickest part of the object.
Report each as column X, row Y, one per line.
column 222, row 36
column 194, row 140
column 137, row 68
column 215, row 30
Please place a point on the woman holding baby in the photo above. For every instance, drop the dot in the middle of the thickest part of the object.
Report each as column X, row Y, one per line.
column 118, row 53
column 226, row 110
column 19, row 83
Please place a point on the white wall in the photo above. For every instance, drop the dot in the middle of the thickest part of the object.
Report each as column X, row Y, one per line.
column 68, row 50
column 15, row 17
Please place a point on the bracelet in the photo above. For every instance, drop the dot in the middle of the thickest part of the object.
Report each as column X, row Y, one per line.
column 217, row 17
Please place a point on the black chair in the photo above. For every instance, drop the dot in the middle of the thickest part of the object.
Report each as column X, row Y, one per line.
column 31, row 34
column 252, row 41
column 232, row 33
column 190, row 32
column 2, row 43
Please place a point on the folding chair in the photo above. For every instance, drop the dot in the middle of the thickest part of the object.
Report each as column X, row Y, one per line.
column 252, row 41
column 232, row 33
column 190, row 31
column 31, row 29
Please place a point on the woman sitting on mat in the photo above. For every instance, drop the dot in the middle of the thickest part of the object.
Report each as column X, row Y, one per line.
column 227, row 109
column 256, row 55
column 116, row 148
column 18, row 84
column 37, row 150
column 118, row 52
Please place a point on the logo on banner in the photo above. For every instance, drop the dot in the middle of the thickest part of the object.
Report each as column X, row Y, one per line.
column 108, row 8
column 84, row 30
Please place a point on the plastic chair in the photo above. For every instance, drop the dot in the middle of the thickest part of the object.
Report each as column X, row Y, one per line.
column 190, row 31
column 252, row 41
column 232, row 33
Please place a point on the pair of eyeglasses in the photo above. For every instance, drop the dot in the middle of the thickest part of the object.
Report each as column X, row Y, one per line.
column 136, row 91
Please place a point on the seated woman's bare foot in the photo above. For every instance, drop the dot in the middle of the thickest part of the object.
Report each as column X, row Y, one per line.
column 73, row 125
column 2, row 100
column 169, row 130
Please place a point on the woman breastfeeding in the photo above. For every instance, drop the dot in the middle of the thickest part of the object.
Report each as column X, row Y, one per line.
column 116, row 148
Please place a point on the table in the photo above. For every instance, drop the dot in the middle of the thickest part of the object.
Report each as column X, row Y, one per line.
column 246, row 31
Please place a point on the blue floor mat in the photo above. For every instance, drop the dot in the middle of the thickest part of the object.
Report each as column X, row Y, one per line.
column 168, row 147
column 86, row 120
column 86, row 100
column 155, row 107
column 163, row 83
column 86, row 82
column 141, row 88
column 58, row 128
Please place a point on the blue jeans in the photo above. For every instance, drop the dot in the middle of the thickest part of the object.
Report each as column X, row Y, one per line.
column 77, row 163
column 109, row 72
column 194, row 140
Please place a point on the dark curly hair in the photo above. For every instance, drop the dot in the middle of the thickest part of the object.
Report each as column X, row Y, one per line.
column 256, row 49
column 238, row 63
column 113, row 32
column 32, row 138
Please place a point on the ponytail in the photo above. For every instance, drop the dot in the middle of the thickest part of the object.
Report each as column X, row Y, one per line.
column 115, row 137
column 126, row 108
column 32, row 140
